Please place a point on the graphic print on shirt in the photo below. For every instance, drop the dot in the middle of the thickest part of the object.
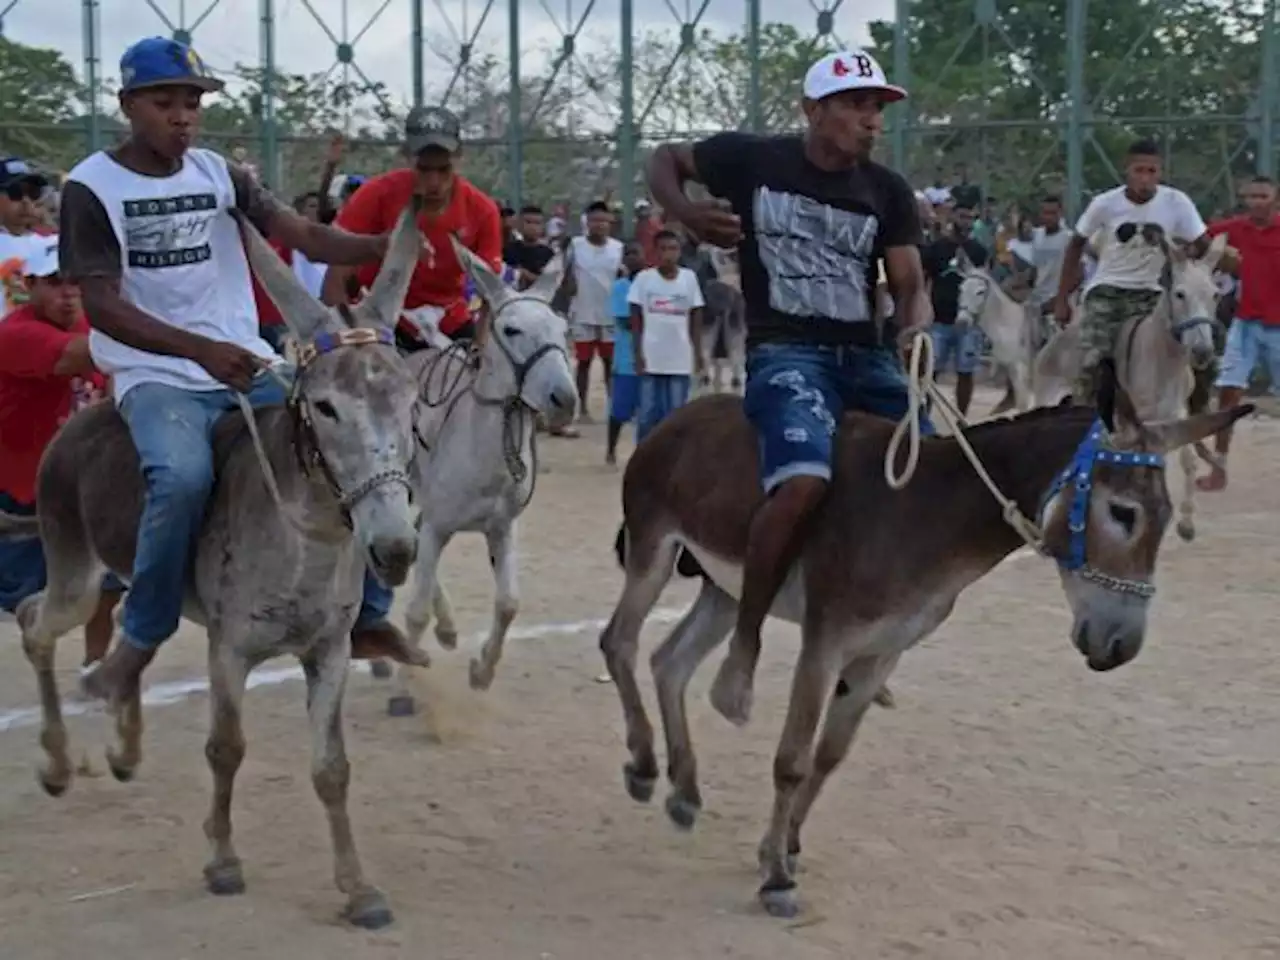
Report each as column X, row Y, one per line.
column 806, row 248
column 169, row 231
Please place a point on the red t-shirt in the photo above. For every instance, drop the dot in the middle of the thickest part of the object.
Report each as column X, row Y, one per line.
column 1259, row 273
column 438, row 278
column 34, row 401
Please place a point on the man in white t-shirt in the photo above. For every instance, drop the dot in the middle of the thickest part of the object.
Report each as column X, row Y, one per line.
column 148, row 234
column 666, row 319
column 1126, row 284
column 595, row 259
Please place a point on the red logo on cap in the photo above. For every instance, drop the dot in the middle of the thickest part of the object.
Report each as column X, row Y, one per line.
column 839, row 69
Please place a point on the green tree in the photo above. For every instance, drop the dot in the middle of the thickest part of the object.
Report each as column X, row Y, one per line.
column 41, row 105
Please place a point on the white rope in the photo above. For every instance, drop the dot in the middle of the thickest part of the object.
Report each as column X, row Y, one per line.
column 920, row 389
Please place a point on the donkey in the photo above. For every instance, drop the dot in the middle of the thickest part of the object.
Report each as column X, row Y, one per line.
column 477, row 463
column 322, row 490
column 1154, row 354
column 880, row 571
column 724, row 325
column 1004, row 321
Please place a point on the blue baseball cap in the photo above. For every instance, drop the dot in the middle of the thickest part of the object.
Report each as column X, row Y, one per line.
column 164, row 62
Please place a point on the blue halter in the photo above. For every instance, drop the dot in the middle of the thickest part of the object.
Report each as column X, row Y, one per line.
column 1079, row 475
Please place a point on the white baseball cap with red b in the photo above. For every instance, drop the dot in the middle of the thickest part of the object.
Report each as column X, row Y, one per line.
column 851, row 69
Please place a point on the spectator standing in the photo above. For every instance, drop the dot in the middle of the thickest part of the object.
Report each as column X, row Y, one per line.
column 594, row 261
column 624, row 395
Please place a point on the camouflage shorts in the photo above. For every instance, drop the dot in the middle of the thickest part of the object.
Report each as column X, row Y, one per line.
column 1106, row 311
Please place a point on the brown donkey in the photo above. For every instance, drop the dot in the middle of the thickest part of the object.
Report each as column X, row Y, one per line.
column 880, row 571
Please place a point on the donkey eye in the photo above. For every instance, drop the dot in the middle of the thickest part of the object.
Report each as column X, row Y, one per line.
column 326, row 409
column 510, row 331
column 1124, row 515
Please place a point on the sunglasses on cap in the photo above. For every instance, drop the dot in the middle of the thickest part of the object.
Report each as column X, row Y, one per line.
column 24, row 190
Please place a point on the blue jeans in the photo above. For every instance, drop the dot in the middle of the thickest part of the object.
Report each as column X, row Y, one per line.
column 1250, row 342
column 660, row 393
column 172, row 429
column 22, row 567
column 956, row 346
column 624, row 397
column 797, row 393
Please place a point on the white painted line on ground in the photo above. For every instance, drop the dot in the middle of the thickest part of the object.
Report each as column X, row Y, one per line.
column 165, row 694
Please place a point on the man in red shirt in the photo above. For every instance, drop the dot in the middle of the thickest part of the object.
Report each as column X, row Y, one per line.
column 451, row 207
column 45, row 374
column 1255, row 333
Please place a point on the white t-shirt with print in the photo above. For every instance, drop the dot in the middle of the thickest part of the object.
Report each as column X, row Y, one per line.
column 665, row 306
column 1137, row 265
column 595, row 267
column 183, row 263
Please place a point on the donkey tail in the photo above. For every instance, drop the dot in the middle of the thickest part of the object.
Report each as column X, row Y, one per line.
column 686, row 564
column 15, row 527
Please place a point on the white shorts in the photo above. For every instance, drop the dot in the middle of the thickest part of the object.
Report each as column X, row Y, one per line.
column 591, row 332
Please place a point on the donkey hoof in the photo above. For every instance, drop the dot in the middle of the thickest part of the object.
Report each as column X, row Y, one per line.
column 53, row 786
column 448, row 639
column 124, row 772
column 224, row 878
column 779, row 903
column 683, row 811
column 1186, row 530
column 414, row 629
column 401, row 705
column 731, row 695
column 639, row 785
column 481, row 675
column 369, row 910
column 884, row 697
column 380, row 669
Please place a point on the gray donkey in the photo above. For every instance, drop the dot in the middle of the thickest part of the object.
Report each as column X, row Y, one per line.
column 317, row 489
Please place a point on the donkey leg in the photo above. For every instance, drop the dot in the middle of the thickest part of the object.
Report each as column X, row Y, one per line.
column 446, row 623
column 1186, row 506
column 649, row 568
column 702, row 629
column 811, row 688
column 331, row 776
column 853, row 696
column 402, row 703
column 124, row 760
column 224, row 750
column 502, row 557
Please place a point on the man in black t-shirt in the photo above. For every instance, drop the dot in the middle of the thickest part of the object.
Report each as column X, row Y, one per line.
column 953, row 346
column 529, row 254
column 812, row 216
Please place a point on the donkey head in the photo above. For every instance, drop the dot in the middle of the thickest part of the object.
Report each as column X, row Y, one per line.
column 1193, row 299
column 525, row 354
column 975, row 290
column 1104, row 520
column 354, row 406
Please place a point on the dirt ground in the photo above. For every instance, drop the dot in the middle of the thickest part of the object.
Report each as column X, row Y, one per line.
column 1014, row 805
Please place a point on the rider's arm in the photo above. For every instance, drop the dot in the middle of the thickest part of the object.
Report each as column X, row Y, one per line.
column 904, row 272
column 1190, row 227
column 316, row 241
column 716, row 162
column 1091, row 221
column 89, row 254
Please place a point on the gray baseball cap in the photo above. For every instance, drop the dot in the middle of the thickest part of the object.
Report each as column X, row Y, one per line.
column 431, row 127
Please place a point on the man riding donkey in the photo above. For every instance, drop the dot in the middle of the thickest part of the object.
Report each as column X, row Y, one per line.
column 1127, row 283
column 147, row 232
column 812, row 216
column 46, row 373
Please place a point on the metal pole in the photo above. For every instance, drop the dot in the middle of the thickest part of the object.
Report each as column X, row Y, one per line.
column 627, row 128
column 270, row 143
column 902, row 77
column 419, row 83
column 1268, row 97
column 755, row 113
column 92, row 65
column 1076, row 27
column 515, row 162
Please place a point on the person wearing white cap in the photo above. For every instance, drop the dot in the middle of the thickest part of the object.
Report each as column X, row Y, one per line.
column 45, row 373
column 812, row 216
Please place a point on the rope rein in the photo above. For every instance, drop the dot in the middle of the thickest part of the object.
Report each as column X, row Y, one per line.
column 921, row 389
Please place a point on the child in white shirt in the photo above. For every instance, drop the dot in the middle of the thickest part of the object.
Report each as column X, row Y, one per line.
column 666, row 319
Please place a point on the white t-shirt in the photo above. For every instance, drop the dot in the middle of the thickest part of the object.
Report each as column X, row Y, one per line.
column 665, row 306
column 1137, row 265
column 594, row 270
column 1047, row 251
column 937, row 195
column 310, row 275
column 183, row 262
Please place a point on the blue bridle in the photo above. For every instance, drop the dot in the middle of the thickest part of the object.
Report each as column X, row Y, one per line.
column 1078, row 474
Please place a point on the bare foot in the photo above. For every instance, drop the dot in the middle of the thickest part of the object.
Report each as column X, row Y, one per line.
column 1216, row 480
column 731, row 692
column 384, row 640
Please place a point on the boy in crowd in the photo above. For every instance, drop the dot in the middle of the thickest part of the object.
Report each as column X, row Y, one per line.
column 666, row 320
column 624, row 395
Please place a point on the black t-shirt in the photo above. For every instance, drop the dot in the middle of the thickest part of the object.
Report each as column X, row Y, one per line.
column 533, row 257
column 812, row 239
column 939, row 260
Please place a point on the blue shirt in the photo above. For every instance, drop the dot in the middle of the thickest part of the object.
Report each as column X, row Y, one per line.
column 624, row 353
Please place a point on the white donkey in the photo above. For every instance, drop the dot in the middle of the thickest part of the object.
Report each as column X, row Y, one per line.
column 1004, row 321
column 724, row 325
column 477, row 462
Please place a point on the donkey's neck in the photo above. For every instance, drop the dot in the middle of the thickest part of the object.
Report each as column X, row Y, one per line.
column 312, row 502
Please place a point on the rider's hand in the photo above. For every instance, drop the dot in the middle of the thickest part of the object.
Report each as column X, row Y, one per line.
column 712, row 221
column 229, row 364
column 1061, row 311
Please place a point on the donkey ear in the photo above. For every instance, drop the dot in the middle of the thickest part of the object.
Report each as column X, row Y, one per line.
column 488, row 284
column 303, row 314
column 548, row 282
column 1171, row 435
column 381, row 308
column 1213, row 255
